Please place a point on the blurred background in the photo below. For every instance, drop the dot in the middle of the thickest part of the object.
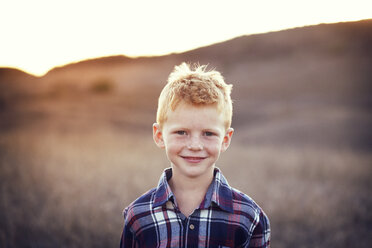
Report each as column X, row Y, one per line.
column 76, row 142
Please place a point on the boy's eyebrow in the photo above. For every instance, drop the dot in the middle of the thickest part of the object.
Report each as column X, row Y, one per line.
column 175, row 127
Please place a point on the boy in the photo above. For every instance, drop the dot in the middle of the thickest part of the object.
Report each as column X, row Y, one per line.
column 193, row 205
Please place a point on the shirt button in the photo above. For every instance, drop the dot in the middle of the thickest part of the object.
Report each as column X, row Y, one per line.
column 192, row 226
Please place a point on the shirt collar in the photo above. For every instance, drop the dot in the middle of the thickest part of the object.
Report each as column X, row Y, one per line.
column 219, row 192
column 163, row 191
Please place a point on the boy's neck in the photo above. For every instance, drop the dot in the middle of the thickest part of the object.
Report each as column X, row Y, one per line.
column 190, row 192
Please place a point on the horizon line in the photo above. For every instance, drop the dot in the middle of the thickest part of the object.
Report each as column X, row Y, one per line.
column 155, row 55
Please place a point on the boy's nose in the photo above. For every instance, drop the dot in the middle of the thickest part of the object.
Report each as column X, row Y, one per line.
column 195, row 144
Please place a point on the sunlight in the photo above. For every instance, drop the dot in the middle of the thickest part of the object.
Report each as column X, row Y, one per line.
column 38, row 35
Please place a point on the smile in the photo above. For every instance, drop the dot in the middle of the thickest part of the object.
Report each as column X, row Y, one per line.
column 193, row 159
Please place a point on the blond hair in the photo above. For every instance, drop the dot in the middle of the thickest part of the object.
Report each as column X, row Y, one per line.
column 197, row 86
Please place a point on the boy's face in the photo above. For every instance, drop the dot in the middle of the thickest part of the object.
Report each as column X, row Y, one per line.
column 193, row 138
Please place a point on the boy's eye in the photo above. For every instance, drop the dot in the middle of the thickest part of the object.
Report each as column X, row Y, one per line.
column 208, row 133
column 181, row 132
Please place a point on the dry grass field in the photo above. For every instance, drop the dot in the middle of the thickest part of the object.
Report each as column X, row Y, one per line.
column 76, row 144
column 68, row 189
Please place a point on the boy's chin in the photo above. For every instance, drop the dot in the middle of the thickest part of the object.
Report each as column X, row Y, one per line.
column 192, row 170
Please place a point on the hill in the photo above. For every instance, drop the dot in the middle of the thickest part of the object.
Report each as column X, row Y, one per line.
column 304, row 86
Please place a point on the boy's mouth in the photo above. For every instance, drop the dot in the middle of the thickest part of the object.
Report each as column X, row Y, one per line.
column 191, row 159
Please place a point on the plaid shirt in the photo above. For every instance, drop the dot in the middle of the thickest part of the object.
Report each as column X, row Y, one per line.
column 225, row 218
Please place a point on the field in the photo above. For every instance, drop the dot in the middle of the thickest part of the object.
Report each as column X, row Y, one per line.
column 76, row 145
column 68, row 190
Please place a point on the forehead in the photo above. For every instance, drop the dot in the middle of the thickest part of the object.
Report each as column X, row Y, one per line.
column 195, row 115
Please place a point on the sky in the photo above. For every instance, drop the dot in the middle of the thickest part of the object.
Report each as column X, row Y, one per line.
column 37, row 35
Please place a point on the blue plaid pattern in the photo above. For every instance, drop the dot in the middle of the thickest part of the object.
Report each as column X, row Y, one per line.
column 225, row 218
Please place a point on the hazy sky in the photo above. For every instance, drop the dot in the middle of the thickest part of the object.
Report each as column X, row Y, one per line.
column 37, row 35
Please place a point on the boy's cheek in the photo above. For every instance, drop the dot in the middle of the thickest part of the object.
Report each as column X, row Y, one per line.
column 174, row 147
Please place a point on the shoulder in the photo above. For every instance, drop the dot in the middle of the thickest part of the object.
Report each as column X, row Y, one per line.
column 245, row 205
column 243, row 200
column 234, row 200
column 141, row 205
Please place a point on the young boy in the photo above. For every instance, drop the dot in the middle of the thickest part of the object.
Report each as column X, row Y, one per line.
column 193, row 205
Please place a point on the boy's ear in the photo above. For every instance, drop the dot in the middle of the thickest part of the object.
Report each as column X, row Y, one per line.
column 157, row 135
column 227, row 139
